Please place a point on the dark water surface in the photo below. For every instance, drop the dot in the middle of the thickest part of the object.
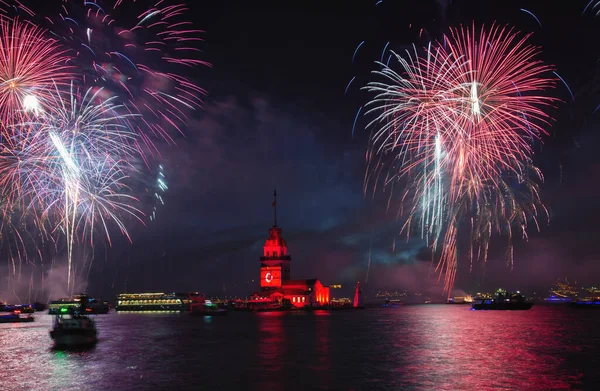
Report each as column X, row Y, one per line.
column 426, row 347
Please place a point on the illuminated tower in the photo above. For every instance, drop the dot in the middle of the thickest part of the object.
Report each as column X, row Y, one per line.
column 275, row 262
column 357, row 296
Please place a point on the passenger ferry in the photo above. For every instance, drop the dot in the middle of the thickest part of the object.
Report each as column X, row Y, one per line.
column 92, row 306
column 158, row 301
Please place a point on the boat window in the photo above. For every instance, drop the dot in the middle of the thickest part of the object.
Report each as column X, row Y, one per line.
column 294, row 299
column 303, row 299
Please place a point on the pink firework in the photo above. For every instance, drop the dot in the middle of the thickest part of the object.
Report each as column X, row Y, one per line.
column 31, row 64
column 142, row 51
column 458, row 125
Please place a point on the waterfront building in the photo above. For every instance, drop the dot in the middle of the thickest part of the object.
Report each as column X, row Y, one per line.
column 275, row 274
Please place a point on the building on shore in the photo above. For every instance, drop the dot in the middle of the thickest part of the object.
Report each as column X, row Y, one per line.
column 276, row 284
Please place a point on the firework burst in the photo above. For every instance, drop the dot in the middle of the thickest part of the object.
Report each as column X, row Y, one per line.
column 138, row 51
column 85, row 105
column 458, row 124
column 30, row 64
column 70, row 167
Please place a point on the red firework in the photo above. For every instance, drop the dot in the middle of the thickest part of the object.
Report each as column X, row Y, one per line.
column 459, row 124
column 31, row 64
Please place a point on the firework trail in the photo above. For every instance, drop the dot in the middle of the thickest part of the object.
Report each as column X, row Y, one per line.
column 160, row 189
column 454, row 129
column 595, row 8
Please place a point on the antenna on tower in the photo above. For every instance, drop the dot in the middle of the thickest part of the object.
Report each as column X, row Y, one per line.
column 274, row 207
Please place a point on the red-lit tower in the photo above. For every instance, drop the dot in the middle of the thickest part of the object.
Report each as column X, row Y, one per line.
column 275, row 262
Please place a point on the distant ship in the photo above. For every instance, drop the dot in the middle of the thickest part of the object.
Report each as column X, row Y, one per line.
column 15, row 317
column 259, row 304
column 22, row 308
column 460, row 300
column 393, row 303
column 92, row 306
column 503, row 301
column 586, row 304
column 154, row 301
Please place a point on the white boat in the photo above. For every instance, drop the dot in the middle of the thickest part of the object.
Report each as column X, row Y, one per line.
column 73, row 330
column 15, row 317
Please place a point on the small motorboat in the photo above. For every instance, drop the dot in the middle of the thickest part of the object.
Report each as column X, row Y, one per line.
column 393, row 303
column 208, row 311
column 72, row 330
column 15, row 317
column 201, row 306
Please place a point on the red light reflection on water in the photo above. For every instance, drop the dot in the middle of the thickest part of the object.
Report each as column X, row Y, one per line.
column 292, row 345
column 271, row 340
column 323, row 361
column 475, row 350
column 270, row 350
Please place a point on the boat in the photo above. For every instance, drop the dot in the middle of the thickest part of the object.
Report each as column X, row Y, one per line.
column 158, row 301
column 586, row 304
column 72, row 330
column 15, row 317
column 560, row 300
column 22, row 308
column 259, row 304
column 201, row 306
column 208, row 311
column 459, row 300
column 393, row 303
column 502, row 301
column 92, row 306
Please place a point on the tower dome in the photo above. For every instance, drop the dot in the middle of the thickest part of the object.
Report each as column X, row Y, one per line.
column 275, row 245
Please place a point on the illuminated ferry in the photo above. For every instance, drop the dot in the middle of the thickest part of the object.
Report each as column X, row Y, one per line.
column 92, row 306
column 154, row 301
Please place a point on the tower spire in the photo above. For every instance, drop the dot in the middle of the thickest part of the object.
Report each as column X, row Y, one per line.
column 274, row 207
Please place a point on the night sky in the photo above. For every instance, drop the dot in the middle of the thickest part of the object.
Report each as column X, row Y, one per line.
column 276, row 116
